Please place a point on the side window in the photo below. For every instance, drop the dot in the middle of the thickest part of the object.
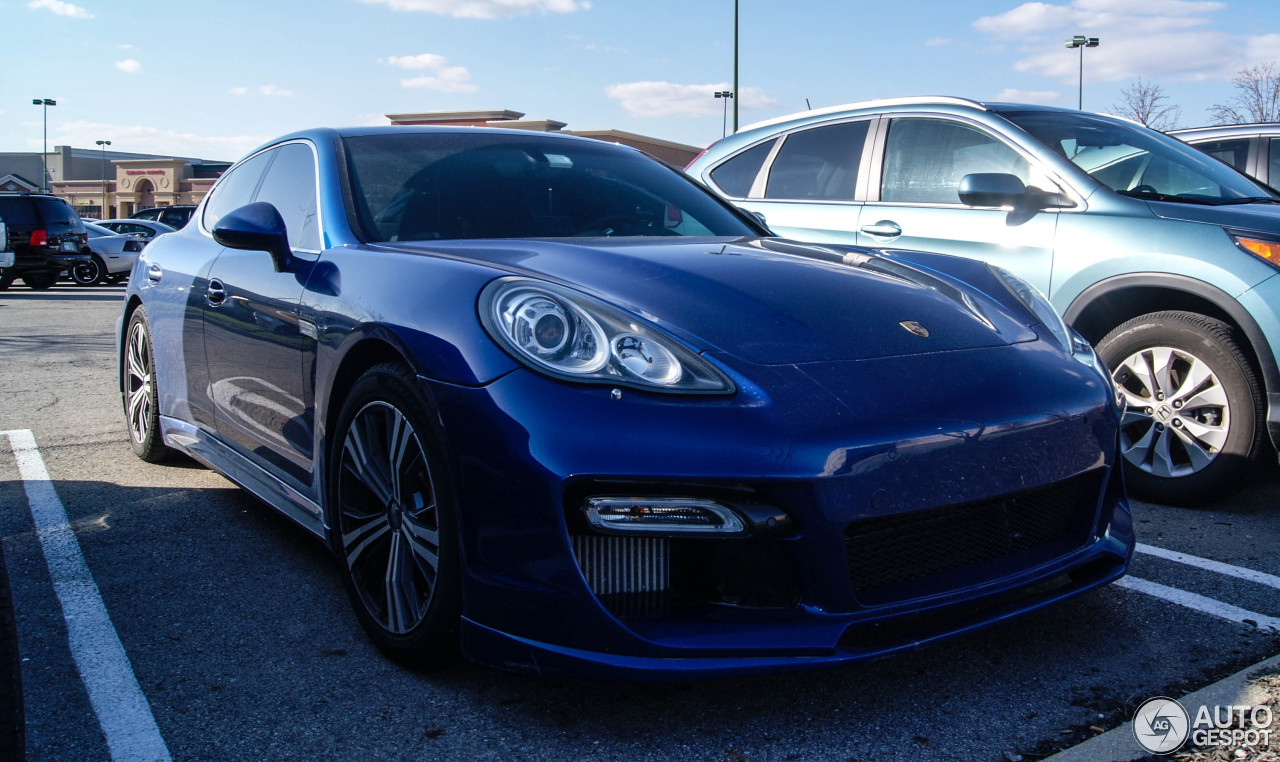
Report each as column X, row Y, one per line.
column 819, row 164
column 1233, row 152
column 925, row 159
column 290, row 186
column 736, row 176
column 234, row 189
column 1273, row 166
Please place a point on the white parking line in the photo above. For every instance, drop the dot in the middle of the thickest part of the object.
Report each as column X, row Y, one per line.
column 122, row 710
column 1262, row 578
column 1199, row 603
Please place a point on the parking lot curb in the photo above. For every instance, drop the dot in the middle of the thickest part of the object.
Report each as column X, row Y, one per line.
column 1119, row 745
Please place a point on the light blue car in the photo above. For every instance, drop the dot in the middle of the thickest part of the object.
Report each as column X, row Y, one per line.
column 1165, row 258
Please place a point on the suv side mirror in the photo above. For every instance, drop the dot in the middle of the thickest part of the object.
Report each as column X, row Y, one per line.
column 991, row 189
column 256, row 227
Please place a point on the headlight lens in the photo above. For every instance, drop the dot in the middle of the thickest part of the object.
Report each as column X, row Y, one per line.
column 571, row 336
column 1037, row 305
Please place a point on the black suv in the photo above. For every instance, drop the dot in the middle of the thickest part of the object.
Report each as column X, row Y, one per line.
column 46, row 236
column 175, row 216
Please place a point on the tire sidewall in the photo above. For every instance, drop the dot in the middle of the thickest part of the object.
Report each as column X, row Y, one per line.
column 99, row 272
column 434, row 640
column 152, row 449
column 1239, row 452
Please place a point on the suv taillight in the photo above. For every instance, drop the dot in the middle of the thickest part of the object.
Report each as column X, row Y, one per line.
column 39, row 238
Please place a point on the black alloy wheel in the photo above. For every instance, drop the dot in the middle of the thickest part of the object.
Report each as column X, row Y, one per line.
column 90, row 273
column 138, row 391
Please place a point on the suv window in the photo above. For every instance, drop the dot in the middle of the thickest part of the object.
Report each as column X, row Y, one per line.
column 234, row 189
column 290, row 186
column 19, row 210
column 1233, row 152
column 925, row 159
column 1273, row 166
column 736, row 176
column 819, row 164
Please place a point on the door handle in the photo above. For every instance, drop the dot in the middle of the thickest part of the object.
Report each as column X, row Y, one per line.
column 153, row 273
column 215, row 294
column 884, row 228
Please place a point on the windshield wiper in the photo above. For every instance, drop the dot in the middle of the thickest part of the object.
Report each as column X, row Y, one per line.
column 1249, row 200
column 1150, row 196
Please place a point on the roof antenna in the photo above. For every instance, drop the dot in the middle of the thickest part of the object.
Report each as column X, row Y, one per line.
column 807, row 106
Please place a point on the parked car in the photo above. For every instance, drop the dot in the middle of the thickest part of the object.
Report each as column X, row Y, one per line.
column 1161, row 256
column 113, row 256
column 552, row 403
column 6, row 254
column 1253, row 149
column 146, row 228
column 46, row 236
column 175, row 216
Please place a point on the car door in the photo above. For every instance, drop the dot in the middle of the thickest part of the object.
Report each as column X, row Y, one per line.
column 914, row 202
column 807, row 183
column 254, row 338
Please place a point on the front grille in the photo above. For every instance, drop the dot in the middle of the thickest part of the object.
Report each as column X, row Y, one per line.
column 614, row 565
column 890, row 551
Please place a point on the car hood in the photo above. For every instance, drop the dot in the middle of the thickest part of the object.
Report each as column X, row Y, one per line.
column 1263, row 217
column 767, row 301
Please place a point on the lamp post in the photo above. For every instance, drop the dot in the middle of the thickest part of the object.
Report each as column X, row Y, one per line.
column 44, row 103
column 727, row 95
column 735, row 66
column 1082, row 42
column 103, row 144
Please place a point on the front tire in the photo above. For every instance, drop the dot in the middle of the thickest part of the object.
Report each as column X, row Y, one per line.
column 138, row 384
column 392, row 518
column 91, row 273
column 1193, row 425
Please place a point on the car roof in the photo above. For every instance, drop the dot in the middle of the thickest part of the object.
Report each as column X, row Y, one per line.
column 1228, row 130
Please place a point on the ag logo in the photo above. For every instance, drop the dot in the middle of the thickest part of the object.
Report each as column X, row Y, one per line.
column 1161, row 725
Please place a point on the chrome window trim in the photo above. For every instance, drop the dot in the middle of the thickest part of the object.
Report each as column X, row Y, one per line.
column 315, row 174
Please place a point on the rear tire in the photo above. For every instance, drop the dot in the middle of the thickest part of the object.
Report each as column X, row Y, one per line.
column 139, row 395
column 40, row 281
column 393, row 518
column 5, row 282
column 91, row 273
column 1193, row 429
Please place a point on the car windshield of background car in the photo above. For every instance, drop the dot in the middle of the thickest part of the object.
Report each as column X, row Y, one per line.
column 413, row 187
column 1138, row 162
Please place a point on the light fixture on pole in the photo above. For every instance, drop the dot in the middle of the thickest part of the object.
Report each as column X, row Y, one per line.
column 727, row 95
column 103, row 212
column 1082, row 42
column 45, row 103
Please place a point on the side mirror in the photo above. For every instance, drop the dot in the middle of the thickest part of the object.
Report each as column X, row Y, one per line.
column 256, row 227
column 757, row 216
column 991, row 189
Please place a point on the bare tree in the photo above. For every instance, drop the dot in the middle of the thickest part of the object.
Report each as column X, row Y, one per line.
column 1257, row 97
column 1145, row 102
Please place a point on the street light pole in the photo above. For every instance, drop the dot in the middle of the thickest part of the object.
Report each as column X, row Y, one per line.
column 103, row 143
column 735, row 65
column 727, row 95
column 1082, row 42
column 45, row 103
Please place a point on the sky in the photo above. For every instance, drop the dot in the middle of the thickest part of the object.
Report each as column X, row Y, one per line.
column 213, row 79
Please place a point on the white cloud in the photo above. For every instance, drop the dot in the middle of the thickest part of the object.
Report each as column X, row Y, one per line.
column 60, row 8
column 148, row 139
column 484, row 9
column 129, row 66
column 936, row 41
column 443, row 78
column 125, row 46
column 270, row 91
column 1011, row 95
column 668, row 99
column 1151, row 39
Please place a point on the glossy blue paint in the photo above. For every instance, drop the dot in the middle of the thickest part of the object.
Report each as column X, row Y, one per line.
column 840, row 415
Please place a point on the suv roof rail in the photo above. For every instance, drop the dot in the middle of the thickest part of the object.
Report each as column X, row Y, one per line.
column 912, row 100
column 1213, row 127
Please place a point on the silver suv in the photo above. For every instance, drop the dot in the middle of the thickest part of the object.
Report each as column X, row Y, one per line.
column 1253, row 149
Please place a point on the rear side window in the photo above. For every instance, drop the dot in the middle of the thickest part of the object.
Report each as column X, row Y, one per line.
column 234, row 189
column 736, row 176
column 290, row 186
column 925, row 159
column 819, row 164
column 1274, row 165
column 19, row 212
column 1233, row 152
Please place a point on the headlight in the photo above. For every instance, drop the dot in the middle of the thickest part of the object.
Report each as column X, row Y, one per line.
column 571, row 336
column 1037, row 305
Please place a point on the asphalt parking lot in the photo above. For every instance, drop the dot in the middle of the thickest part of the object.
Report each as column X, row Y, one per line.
column 234, row 625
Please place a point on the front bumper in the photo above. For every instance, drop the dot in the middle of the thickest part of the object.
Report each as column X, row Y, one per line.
column 835, row 447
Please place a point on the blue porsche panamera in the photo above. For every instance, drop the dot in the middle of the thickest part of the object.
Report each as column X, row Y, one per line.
column 557, row 408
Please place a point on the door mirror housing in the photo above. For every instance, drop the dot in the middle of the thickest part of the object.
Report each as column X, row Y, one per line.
column 256, row 227
column 992, row 189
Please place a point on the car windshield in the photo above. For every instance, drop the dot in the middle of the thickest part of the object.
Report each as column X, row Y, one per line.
column 452, row 185
column 1138, row 162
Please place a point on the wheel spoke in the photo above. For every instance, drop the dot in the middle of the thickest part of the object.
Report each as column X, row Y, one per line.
column 1161, row 457
column 369, row 530
column 424, row 542
column 140, row 412
column 400, row 437
column 1161, row 361
column 1207, row 437
column 401, row 593
column 360, row 461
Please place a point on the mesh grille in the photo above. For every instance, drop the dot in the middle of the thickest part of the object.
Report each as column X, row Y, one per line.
column 907, row 547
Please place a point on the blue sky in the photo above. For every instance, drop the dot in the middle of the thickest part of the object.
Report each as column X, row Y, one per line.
column 214, row 79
